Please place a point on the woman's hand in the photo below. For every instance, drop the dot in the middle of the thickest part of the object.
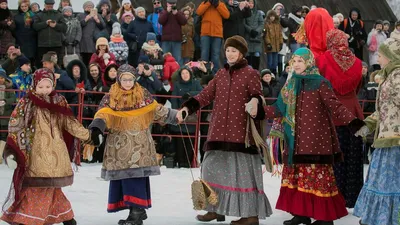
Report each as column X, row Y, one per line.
column 252, row 107
column 182, row 114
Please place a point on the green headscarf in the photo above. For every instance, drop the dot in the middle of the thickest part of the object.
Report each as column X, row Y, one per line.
column 286, row 102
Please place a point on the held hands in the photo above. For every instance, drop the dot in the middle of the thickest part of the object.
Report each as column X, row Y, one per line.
column 182, row 114
column 363, row 132
column 96, row 136
column 252, row 107
column 11, row 162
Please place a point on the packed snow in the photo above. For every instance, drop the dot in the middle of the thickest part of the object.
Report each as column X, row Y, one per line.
column 171, row 198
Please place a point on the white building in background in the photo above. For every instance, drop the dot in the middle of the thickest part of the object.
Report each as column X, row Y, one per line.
column 395, row 6
column 76, row 4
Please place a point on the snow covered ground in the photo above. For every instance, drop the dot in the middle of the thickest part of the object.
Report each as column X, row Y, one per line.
column 170, row 196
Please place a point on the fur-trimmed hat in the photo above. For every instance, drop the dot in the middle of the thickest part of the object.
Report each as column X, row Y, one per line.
column 237, row 42
column 390, row 49
column 102, row 41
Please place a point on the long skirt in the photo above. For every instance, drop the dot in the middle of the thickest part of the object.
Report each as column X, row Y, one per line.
column 310, row 190
column 379, row 200
column 350, row 173
column 39, row 206
column 132, row 192
column 237, row 179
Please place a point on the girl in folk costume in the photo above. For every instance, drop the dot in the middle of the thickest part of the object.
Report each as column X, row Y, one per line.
column 379, row 200
column 344, row 70
column 227, row 156
column 40, row 130
column 128, row 112
column 308, row 106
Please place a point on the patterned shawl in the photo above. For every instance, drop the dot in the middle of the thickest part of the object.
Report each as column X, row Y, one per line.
column 286, row 102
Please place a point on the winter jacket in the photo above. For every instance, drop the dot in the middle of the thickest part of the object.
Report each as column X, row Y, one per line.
column 231, row 88
column 21, row 81
column 78, row 81
column 103, row 62
column 65, row 83
column 106, row 80
column 273, row 33
column 172, row 25
column 10, row 66
column 386, row 119
column 124, row 31
column 357, row 33
column 153, row 19
column 182, row 88
column 170, row 66
column 188, row 33
column 380, row 38
column 119, row 49
column 151, row 83
column 9, row 98
column 270, row 90
column 26, row 36
column 48, row 36
column 252, row 24
column 212, row 18
column 73, row 33
column 292, row 23
column 156, row 62
column 110, row 18
column 89, row 29
column 6, row 32
column 137, row 31
column 234, row 25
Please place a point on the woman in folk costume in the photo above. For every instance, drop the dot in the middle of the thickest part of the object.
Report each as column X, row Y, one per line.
column 379, row 200
column 344, row 70
column 130, row 155
column 231, row 168
column 308, row 106
column 40, row 130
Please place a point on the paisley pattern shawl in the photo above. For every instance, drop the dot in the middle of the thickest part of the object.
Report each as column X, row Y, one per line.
column 338, row 47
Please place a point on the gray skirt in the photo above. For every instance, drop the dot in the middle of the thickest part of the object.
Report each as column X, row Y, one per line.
column 237, row 179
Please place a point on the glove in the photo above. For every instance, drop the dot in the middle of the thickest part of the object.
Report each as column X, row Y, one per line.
column 11, row 163
column 75, row 43
column 356, row 125
column 268, row 47
column 186, row 97
column 253, row 33
column 65, row 43
column 364, row 131
column 215, row 3
column 96, row 136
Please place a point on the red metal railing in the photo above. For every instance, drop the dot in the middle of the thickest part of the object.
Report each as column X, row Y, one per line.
column 81, row 104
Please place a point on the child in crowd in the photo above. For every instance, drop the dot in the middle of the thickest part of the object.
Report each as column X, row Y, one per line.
column 103, row 57
column 118, row 46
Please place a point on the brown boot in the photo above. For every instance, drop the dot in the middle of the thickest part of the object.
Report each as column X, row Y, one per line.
column 210, row 216
column 246, row 221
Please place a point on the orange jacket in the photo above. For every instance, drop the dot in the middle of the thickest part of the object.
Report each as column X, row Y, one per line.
column 211, row 23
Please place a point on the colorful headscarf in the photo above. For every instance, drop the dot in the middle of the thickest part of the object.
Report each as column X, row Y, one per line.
column 338, row 46
column 286, row 102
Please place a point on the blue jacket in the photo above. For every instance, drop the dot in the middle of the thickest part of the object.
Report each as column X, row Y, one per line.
column 153, row 19
column 65, row 83
column 137, row 31
column 151, row 83
column 21, row 81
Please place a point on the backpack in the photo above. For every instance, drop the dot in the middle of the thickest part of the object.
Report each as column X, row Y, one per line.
column 346, row 21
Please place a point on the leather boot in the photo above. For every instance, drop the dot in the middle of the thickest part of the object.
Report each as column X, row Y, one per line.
column 246, row 221
column 296, row 220
column 320, row 222
column 136, row 217
column 210, row 216
column 70, row 222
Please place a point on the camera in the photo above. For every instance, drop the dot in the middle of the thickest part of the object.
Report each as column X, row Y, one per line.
column 174, row 7
column 146, row 67
column 235, row 3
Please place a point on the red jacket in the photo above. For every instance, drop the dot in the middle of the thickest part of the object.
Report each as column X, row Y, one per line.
column 231, row 88
column 171, row 25
column 99, row 60
column 170, row 67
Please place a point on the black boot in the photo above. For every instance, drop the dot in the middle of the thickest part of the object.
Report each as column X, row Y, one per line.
column 320, row 222
column 296, row 220
column 70, row 222
column 136, row 217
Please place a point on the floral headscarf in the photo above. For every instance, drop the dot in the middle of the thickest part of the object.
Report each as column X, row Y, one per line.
column 338, row 46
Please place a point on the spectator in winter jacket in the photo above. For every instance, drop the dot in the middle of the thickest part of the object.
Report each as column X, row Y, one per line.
column 336, row 22
column 396, row 32
column 170, row 66
column 25, row 35
column 254, row 26
column 137, row 32
column 10, row 64
column 147, row 77
column 172, row 21
column 73, row 35
column 153, row 19
column 22, row 78
column 50, row 27
column 270, row 86
column 109, row 77
column 234, row 25
column 375, row 38
column 64, row 82
column 211, row 32
column 187, row 35
column 91, row 23
column 354, row 27
column 386, row 28
column 273, row 40
column 7, row 98
column 127, row 7
column 293, row 23
column 7, row 26
column 77, row 71
column 105, row 10
column 152, row 49
column 126, row 19
column 35, row 7
column 64, row 3
column 118, row 46
column 95, row 80
column 103, row 57
column 362, row 93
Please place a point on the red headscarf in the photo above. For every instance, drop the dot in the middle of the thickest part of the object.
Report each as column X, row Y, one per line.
column 317, row 23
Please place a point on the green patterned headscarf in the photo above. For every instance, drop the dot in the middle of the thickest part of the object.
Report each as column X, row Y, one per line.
column 309, row 80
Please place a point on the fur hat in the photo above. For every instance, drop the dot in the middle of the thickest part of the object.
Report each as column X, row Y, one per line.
column 87, row 3
column 139, row 9
column 50, row 57
column 116, row 28
column 22, row 60
column 66, row 8
column 278, row 4
column 237, row 42
column 101, row 41
column 390, row 49
column 151, row 37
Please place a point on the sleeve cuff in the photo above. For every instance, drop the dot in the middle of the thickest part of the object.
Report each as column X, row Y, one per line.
column 260, row 109
column 192, row 104
column 98, row 123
